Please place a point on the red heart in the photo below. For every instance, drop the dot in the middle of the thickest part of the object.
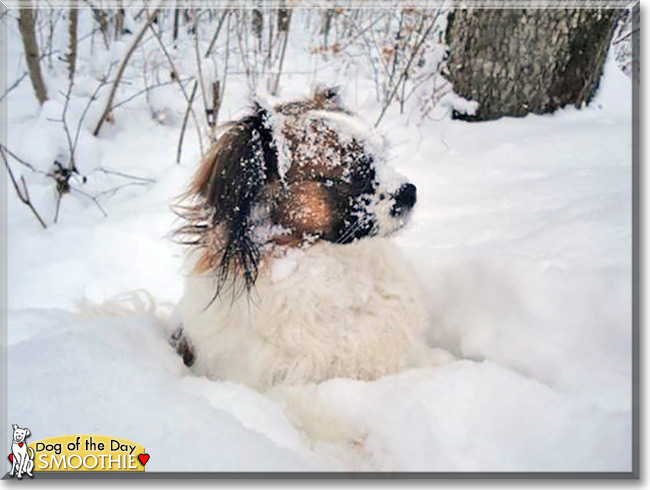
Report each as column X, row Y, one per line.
column 11, row 458
column 143, row 458
column 20, row 444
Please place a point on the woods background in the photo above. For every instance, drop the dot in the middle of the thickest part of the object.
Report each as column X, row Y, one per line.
column 472, row 64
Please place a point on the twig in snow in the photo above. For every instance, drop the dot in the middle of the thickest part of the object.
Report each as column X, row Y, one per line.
column 71, row 164
column 414, row 52
column 126, row 176
column 14, row 85
column 22, row 161
column 182, row 87
column 200, row 71
column 24, row 195
column 216, row 33
column 224, row 75
column 92, row 198
column 187, row 113
column 101, row 17
column 122, row 67
column 59, row 196
column 93, row 97
column 285, row 21
column 113, row 191
column 149, row 88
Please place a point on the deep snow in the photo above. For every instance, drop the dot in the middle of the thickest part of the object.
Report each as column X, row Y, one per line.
column 521, row 239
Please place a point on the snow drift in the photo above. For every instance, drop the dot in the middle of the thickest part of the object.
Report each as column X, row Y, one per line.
column 522, row 243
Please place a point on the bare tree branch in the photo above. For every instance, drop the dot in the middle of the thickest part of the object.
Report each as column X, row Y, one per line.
column 224, row 74
column 181, row 86
column 92, row 198
column 71, row 163
column 24, row 195
column 101, row 17
column 113, row 191
column 121, row 68
column 149, row 88
column 187, row 113
column 414, row 53
column 21, row 161
column 284, row 23
column 59, row 196
column 92, row 99
column 200, row 70
column 126, row 176
column 14, row 85
column 216, row 33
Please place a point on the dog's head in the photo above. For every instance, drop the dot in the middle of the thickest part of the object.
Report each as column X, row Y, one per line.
column 289, row 176
column 20, row 434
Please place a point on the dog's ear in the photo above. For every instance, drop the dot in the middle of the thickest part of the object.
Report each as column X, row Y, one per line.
column 14, row 427
column 229, row 182
column 27, row 432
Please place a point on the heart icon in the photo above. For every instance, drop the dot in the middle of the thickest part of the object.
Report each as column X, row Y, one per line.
column 143, row 458
column 11, row 458
column 20, row 444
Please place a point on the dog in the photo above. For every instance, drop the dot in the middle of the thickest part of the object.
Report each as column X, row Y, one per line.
column 293, row 279
column 22, row 461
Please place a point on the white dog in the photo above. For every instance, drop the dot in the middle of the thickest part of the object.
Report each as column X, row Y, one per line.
column 22, row 461
column 294, row 280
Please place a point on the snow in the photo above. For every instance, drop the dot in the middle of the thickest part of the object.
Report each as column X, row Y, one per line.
column 521, row 239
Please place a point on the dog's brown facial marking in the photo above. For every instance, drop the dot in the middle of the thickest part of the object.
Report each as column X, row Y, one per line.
column 305, row 209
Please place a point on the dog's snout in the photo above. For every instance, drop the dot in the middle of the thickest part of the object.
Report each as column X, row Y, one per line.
column 405, row 199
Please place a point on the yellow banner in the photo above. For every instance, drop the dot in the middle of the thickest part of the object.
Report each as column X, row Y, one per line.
column 88, row 453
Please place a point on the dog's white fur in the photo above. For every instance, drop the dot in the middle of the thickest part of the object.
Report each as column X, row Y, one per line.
column 22, row 461
column 327, row 311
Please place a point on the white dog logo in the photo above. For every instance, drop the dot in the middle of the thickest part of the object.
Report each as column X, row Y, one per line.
column 21, row 460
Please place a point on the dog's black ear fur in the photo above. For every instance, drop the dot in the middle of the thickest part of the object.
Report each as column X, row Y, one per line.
column 245, row 160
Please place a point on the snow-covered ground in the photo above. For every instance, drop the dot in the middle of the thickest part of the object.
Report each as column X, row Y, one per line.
column 521, row 239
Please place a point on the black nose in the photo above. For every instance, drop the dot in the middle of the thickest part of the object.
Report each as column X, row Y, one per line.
column 405, row 199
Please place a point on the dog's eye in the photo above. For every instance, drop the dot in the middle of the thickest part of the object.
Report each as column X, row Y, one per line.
column 329, row 182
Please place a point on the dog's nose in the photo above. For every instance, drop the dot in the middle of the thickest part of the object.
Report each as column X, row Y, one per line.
column 405, row 199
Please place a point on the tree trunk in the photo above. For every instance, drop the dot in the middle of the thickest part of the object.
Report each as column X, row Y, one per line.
column 257, row 24
column 101, row 17
column 119, row 20
column 26, row 26
column 72, row 39
column 177, row 13
column 516, row 61
column 284, row 20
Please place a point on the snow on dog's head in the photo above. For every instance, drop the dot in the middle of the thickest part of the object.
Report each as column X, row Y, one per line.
column 289, row 176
